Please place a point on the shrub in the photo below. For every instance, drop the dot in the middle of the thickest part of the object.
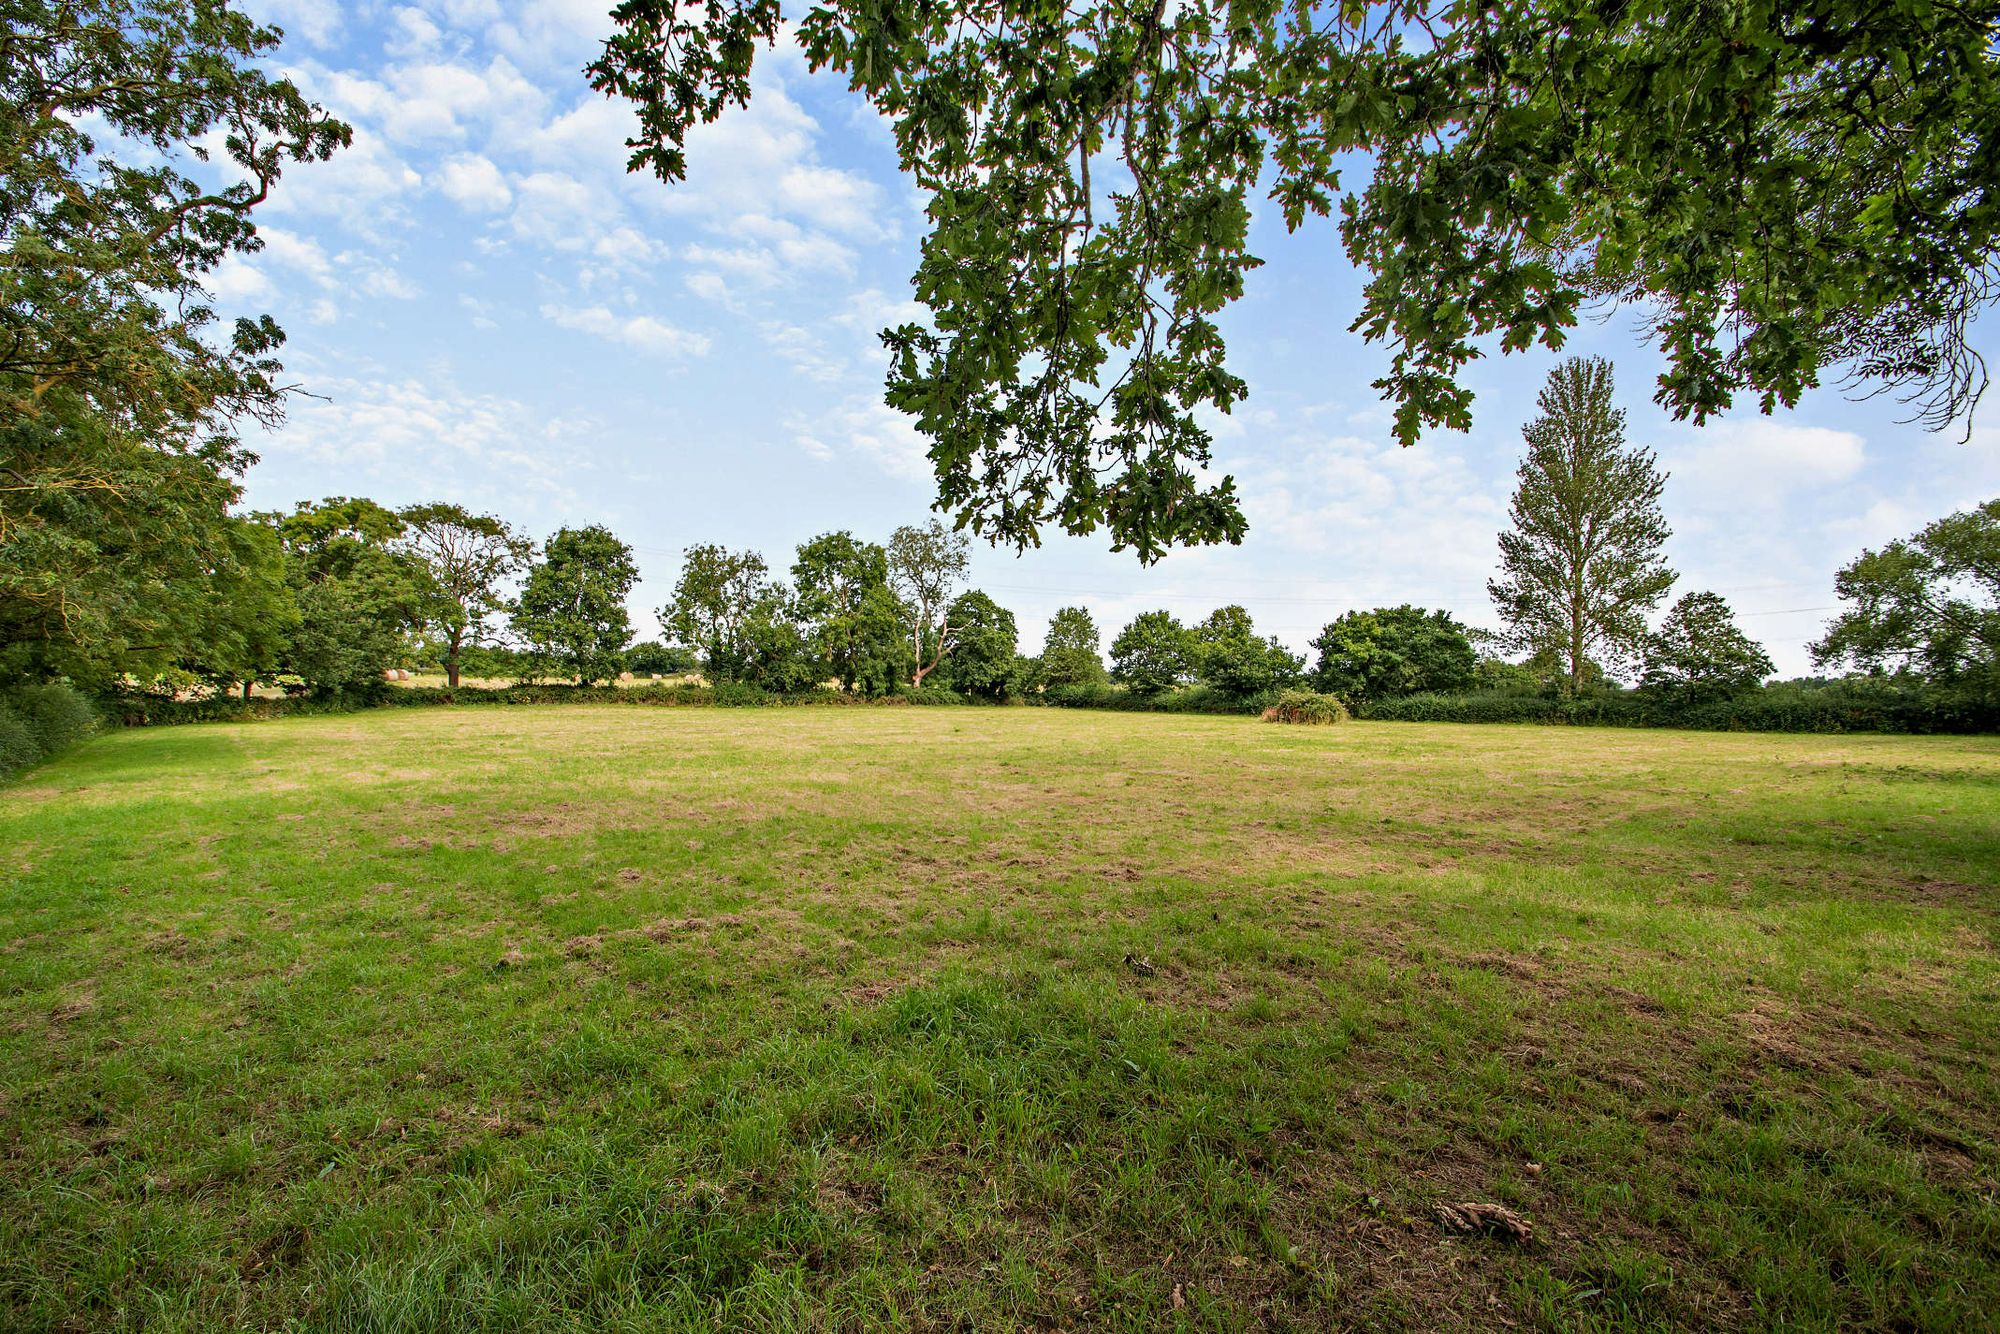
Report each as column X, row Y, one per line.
column 39, row 720
column 1306, row 706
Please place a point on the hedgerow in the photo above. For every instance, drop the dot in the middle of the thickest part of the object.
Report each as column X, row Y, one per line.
column 37, row 721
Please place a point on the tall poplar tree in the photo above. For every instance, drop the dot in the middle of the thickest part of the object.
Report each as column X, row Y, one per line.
column 1582, row 565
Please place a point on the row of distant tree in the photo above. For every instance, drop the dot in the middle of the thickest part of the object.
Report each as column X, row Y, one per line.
column 325, row 596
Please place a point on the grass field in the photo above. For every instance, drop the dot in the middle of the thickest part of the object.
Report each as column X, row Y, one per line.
column 600, row 1018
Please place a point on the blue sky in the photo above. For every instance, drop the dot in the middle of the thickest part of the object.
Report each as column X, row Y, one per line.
column 492, row 311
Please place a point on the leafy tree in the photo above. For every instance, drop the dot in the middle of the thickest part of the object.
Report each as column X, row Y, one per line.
column 1582, row 566
column 359, row 594
column 1699, row 653
column 1392, row 651
column 650, row 657
column 926, row 566
column 112, row 551
column 1153, row 653
column 1784, row 191
column 572, row 608
column 983, row 656
column 1069, row 652
column 717, row 591
column 468, row 555
column 841, row 593
column 777, row 651
column 250, row 614
column 118, row 393
column 1929, row 603
column 1230, row 658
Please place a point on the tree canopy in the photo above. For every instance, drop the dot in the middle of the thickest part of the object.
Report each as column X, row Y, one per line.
column 469, row 556
column 1070, row 653
column 1787, row 192
column 1928, row 603
column 572, row 607
column 1154, row 652
column 1581, row 566
column 1392, row 651
column 120, row 390
column 1699, row 653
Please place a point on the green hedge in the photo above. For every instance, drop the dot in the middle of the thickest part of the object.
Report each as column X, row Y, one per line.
column 1833, row 706
column 143, row 710
column 1192, row 699
column 37, row 721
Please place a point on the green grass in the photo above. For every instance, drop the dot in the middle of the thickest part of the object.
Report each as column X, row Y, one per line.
column 615, row 1019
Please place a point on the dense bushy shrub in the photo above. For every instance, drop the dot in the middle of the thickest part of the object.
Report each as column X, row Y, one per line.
column 1853, row 705
column 927, row 695
column 36, row 721
column 1189, row 699
column 1306, row 706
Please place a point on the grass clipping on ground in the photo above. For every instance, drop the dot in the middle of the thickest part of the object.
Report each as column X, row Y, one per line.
column 582, row 1018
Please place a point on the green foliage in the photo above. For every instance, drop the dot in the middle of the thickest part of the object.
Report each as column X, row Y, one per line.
column 1230, row 658
column 1928, row 604
column 119, row 395
column 1698, row 653
column 1855, row 704
column 1581, row 567
column 1308, row 707
column 842, row 598
column 1392, row 651
column 983, row 657
column 713, row 600
column 358, row 592
column 1070, row 654
column 572, row 608
column 652, row 658
column 778, row 653
column 469, row 557
column 1154, row 652
column 37, row 721
column 926, row 567
column 1784, row 191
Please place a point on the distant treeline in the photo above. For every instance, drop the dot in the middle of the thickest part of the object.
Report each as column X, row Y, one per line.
column 326, row 598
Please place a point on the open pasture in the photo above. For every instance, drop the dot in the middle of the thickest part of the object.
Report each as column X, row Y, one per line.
column 620, row 1018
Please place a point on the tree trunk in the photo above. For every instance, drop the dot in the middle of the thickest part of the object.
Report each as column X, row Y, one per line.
column 943, row 647
column 451, row 663
column 247, row 687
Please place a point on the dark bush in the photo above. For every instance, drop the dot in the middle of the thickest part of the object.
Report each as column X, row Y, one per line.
column 37, row 721
column 1852, row 705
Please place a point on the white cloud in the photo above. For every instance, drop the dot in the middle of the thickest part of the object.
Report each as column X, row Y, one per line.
column 414, row 34
column 457, row 443
column 557, row 210
column 1758, row 463
column 864, row 426
column 314, row 22
column 474, row 183
column 362, row 186
column 237, row 281
column 804, row 350
column 642, row 332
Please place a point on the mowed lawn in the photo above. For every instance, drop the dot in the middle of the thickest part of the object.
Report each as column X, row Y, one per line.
column 631, row 1018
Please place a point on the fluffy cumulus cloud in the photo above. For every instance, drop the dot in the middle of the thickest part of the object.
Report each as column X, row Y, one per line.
column 1397, row 524
column 415, row 440
column 1761, row 463
column 474, row 183
column 641, row 333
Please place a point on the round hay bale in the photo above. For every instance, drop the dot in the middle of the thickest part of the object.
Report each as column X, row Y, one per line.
column 624, row 676
column 389, row 674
